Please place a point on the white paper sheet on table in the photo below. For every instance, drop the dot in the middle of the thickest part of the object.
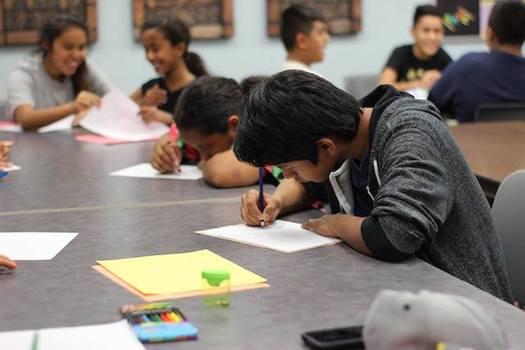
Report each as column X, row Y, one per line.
column 62, row 124
column 109, row 336
column 10, row 127
column 283, row 236
column 145, row 170
column 117, row 118
column 12, row 168
column 34, row 245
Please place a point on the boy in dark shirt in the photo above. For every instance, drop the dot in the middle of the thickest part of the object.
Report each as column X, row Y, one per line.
column 418, row 65
column 487, row 77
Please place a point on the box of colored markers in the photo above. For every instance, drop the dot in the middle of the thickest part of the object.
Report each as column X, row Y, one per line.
column 158, row 322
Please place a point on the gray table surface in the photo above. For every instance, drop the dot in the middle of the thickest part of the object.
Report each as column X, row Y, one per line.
column 59, row 172
column 324, row 287
column 61, row 190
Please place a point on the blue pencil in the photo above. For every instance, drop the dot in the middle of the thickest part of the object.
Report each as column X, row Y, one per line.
column 261, row 193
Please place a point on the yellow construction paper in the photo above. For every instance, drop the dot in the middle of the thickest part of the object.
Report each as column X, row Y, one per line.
column 175, row 273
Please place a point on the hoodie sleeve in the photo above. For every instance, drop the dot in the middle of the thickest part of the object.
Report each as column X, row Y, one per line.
column 412, row 202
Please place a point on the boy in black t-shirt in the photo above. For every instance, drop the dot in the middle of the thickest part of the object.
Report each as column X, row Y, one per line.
column 418, row 65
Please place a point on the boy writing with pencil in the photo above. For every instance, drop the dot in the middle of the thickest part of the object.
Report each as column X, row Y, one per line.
column 397, row 183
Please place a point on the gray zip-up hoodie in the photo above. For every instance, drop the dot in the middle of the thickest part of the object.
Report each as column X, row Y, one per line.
column 426, row 200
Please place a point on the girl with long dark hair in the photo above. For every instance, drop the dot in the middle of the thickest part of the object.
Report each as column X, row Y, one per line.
column 55, row 81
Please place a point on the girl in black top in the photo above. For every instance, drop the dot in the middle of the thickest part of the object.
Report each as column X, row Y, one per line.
column 166, row 42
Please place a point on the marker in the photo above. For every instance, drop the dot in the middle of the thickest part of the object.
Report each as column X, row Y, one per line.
column 3, row 174
column 34, row 345
column 261, row 194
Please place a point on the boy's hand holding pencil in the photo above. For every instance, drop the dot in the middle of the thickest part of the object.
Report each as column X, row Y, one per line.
column 252, row 215
column 166, row 156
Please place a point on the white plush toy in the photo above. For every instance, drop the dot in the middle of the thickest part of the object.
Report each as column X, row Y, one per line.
column 408, row 321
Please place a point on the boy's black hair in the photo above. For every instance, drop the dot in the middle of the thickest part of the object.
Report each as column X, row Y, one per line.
column 248, row 83
column 283, row 117
column 206, row 103
column 507, row 20
column 297, row 19
column 425, row 10
column 176, row 31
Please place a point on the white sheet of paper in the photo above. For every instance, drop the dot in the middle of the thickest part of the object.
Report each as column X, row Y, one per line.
column 62, row 124
column 283, row 236
column 418, row 93
column 109, row 336
column 118, row 118
column 145, row 170
column 16, row 340
column 11, row 128
column 34, row 245
column 12, row 168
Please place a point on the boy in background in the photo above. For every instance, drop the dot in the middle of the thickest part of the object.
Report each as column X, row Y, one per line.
column 487, row 77
column 418, row 65
column 304, row 33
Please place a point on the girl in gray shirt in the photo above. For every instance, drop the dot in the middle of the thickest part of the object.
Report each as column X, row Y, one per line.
column 57, row 80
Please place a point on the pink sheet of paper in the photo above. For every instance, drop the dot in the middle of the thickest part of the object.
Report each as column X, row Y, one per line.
column 10, row 125
column 7, row 123
column 101, row 140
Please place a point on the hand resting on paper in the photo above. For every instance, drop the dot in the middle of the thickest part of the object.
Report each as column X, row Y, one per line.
column 326, row 225
column 83, row 102
column 6, row 262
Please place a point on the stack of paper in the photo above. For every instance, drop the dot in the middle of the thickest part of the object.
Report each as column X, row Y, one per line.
column 281, row 235
column 12, row 167
column 43, row 245
column 108, row 336
column 62, row 124
column 117, row 118
column 10, row 126
column 169, row 276
column 145, row 170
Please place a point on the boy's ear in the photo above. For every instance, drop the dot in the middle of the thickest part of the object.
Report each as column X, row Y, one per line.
column 490, row 38
column 326, row 147
column 45, row 46
column 233, row 121
column 300, row 41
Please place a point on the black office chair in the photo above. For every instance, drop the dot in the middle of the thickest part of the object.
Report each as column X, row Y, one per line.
column 500, row 111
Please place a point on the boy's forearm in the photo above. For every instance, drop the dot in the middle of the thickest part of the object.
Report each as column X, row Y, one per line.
column 349, row 230
column 165, row 117
column 223, row 170
column 292, row 195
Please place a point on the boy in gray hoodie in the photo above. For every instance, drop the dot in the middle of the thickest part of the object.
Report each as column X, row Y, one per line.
column 396, row 181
